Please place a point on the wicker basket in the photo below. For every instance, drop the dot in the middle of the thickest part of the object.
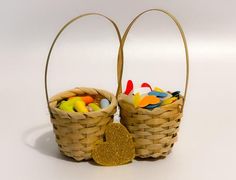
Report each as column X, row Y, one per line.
column 154, row 131
column 77, row 133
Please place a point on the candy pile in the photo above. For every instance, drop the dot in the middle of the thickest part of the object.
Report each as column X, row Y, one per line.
column 83, row 104
column 148, row 98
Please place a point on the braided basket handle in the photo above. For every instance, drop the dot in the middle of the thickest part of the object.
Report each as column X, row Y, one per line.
column 120, row 63
column 120, row 53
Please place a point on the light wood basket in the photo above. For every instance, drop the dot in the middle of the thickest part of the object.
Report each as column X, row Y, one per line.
column 77, row 133
column 154, row 131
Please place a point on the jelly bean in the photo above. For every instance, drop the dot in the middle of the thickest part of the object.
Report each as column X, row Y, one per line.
column 104, row 103
column 136, row 99
column 158, row 94
column 65, row 106
column 169, row 101
column 129, row 87
column 158, row 89
column 152, row 106
column 176, row 93
column 72, row 100
column 149, row 100
column 94, row 106
column 80, row 106
column 87, row 99
column 146, row 85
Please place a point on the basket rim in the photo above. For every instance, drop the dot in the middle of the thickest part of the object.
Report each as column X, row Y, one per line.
column 53, row 101
column 122, row 100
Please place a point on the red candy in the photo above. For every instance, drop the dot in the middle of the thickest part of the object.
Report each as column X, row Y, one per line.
column 129, row 87
column 146, row 85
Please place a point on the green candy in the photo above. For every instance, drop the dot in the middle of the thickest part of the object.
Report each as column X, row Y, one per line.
column 66, row 106
column 94, row 106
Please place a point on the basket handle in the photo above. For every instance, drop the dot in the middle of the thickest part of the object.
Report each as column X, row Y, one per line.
column 120, row 63
column 120, row 52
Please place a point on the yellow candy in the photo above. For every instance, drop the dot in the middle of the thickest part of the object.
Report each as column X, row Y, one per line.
column 158, row 89
column 168, row 101
column 72, row 100
column 65, row 106
column 80, row 106
column 136, row 99
column 94, row 107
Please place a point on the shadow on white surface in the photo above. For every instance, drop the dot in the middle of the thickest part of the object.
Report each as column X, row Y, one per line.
column 42, row 139
column 43, row 142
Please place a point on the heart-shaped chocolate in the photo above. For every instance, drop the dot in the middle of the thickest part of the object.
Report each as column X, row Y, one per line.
column 117, row 149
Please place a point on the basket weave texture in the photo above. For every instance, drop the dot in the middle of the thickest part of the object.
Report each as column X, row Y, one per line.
column 77, row 133
column 154, row 131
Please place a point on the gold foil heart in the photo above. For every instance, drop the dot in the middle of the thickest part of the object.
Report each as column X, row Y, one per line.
column 117, row 149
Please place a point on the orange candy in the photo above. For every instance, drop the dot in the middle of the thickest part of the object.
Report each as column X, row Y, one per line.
column 149, row 100
column 87, row 99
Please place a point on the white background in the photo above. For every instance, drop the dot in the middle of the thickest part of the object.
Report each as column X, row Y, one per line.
column 86, row 56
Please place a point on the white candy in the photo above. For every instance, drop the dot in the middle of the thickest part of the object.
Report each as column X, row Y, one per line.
column 104, row 103
column 142, row 91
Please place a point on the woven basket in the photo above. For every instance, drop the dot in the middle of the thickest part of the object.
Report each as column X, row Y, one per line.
column 77, row 133
column 154, row 131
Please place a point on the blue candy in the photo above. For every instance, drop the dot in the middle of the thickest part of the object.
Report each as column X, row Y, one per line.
column 152, row 106
column 157, row 94
column 104, row 103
